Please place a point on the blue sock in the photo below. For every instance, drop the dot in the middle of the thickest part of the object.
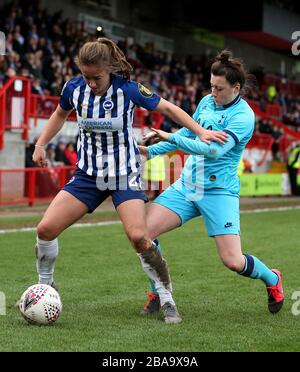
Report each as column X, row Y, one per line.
column 153, row 290
column 255, row 269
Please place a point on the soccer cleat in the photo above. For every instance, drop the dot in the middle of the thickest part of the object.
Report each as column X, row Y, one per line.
column 53, row 285
column 153, row 304
column 275, row 294
column 171, row 315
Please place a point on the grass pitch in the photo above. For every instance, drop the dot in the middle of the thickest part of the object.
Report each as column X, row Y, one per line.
column 102, row 289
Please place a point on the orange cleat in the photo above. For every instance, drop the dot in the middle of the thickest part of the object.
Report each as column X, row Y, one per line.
column 275, row 294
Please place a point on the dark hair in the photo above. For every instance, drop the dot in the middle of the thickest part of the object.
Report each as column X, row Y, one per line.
column 106, row 53
column 232, row 69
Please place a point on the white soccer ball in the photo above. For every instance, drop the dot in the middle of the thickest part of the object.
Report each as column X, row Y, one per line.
column 40, row 304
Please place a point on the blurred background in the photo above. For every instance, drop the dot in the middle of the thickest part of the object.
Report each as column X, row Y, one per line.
column 170, row 46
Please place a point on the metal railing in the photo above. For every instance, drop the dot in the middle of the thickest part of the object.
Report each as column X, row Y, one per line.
column 32, row 185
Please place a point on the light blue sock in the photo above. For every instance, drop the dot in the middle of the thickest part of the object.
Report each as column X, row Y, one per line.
column 255, row 269
column 152, row 285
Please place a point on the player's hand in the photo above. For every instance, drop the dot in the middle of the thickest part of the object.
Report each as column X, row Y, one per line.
column 213, row 135
column 161, row 134
column 39, row 157
column 143, row 151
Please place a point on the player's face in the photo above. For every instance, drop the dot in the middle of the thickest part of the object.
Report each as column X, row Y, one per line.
column 97, row 78
column 222, row 91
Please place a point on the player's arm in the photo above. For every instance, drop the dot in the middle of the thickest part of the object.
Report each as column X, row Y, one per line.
column 180, row 117
column 164, row 147
column 240, row 126
column 143, row 97
column 53, row 126
column 197, row 147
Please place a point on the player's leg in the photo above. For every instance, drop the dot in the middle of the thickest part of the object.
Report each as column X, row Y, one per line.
column 79, row 196
column 221, row 216
column 159, row 220
column 230, row 252
column 64, row 210
column 170, row 210
column 133, row 216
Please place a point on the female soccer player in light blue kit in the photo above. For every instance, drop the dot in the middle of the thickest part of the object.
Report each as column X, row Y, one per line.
column 108, row 158
column 209, row 185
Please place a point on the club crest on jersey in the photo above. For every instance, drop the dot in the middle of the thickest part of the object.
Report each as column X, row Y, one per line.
column 145, row 92
column 108, row 105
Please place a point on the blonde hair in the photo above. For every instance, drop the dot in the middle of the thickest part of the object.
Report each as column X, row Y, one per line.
column 107, row 54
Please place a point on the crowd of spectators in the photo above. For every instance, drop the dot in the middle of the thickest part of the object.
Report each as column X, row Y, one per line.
column 275, row 94
column 43, row 46
column 60, row 154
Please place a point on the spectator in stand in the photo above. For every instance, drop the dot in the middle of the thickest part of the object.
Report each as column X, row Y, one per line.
column 29, row 150
column 71, row 153
column 3, row 69
column 36, row 87
column 154, row 172
column 50, row 156
column 293, row 167
column 277, row 134
column 9, row 74
column 60, row 154
column 271, row 93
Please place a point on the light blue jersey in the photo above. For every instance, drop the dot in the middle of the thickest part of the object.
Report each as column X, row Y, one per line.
column 216, row 170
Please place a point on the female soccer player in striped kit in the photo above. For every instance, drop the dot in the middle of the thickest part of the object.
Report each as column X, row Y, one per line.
column 209, row 185
column 108, row 158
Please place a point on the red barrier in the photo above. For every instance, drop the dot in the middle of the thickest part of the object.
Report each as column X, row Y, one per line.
column 31, row 185
column 15, row 88
column 42, row 106
column 262, row 142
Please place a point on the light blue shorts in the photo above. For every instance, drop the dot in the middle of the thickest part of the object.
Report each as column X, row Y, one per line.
column 220, row 212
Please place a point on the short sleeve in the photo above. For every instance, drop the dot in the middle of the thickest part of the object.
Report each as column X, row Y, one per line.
column 66, row 97
column 142, row 96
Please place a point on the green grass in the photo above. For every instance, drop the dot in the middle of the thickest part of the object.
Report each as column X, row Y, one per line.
column 32, row 220
column 102, row 289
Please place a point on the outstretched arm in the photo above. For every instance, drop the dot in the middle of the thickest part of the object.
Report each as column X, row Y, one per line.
column 180, row 117
column 164, row 147
column 195, row 146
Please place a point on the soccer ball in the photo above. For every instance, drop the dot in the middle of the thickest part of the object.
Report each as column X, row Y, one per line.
column 40, row 304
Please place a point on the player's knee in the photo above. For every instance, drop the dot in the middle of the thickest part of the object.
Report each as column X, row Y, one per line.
column 232, row 264
column 138, row 239
column 45, row 232
column 153, row 232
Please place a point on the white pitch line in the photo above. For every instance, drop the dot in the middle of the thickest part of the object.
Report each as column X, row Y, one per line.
column 107, row 223
column 263, row 210
column 30, row 229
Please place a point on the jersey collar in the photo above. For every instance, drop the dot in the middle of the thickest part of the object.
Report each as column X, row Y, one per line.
column 237, row 99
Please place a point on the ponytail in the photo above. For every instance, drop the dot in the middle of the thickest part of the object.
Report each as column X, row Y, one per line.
column 106, row 53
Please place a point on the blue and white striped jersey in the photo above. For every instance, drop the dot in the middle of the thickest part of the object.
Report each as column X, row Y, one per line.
column 106, row 145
